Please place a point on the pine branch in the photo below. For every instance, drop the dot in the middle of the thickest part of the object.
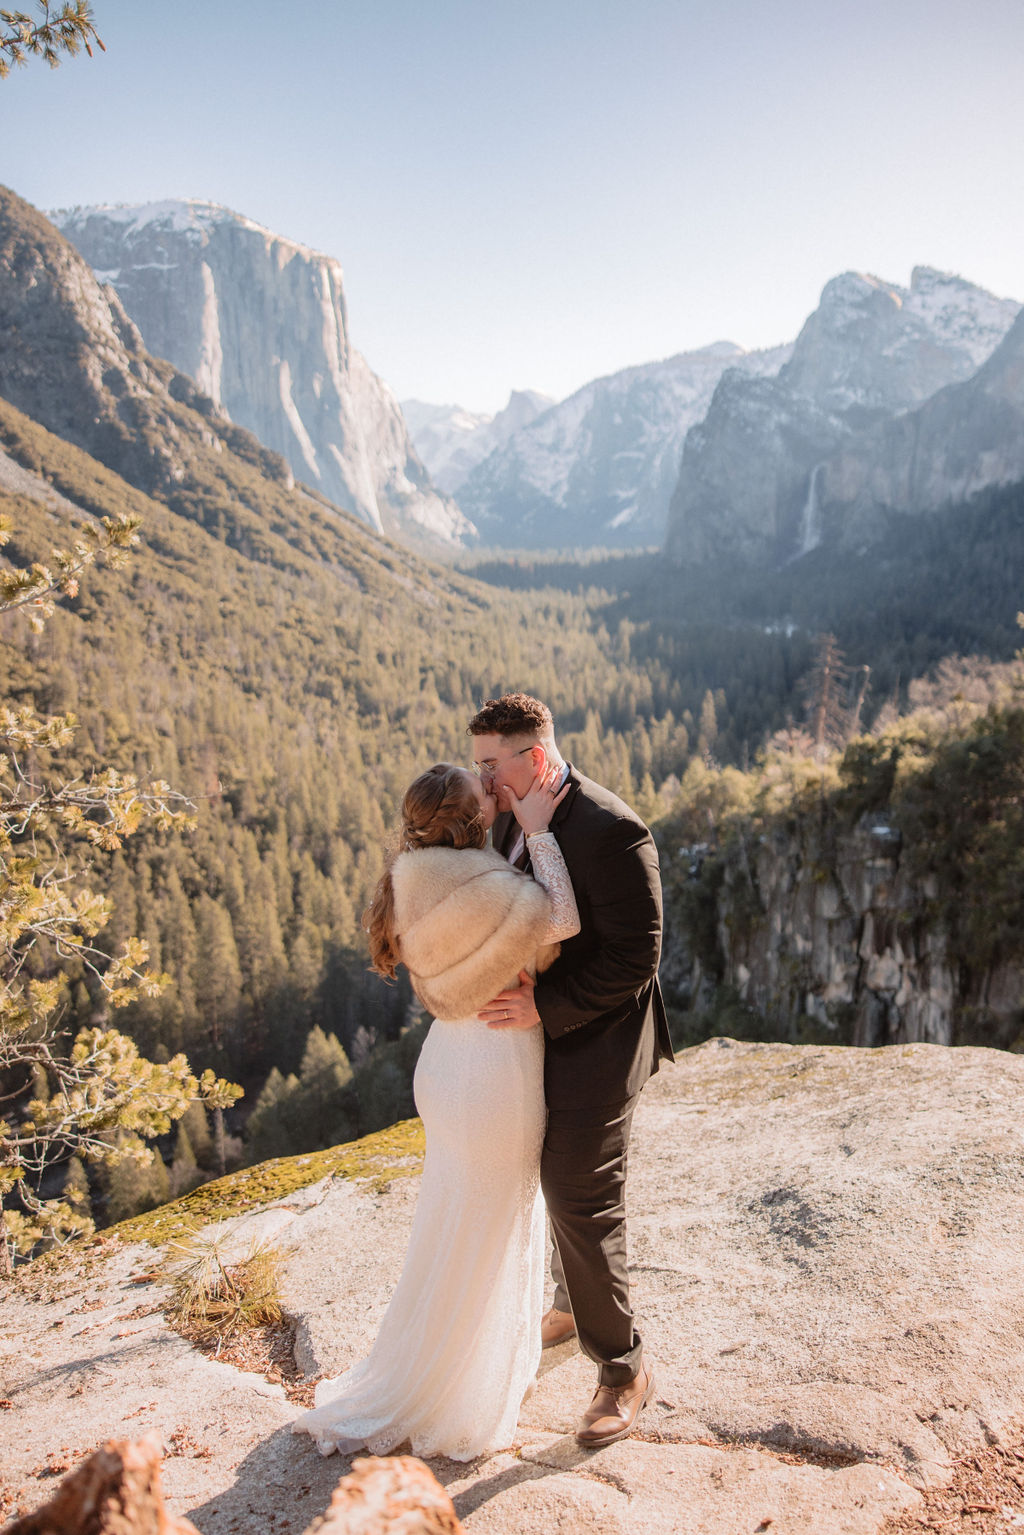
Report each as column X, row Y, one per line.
column 67, row 31
column 36, row 587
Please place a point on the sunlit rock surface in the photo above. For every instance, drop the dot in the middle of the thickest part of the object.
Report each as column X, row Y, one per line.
column 825, row 1251
column 260, row 323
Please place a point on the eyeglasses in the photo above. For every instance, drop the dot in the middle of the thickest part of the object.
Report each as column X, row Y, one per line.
column 487, row 770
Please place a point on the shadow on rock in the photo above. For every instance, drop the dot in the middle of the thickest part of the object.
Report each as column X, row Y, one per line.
column 282, row 1472
column 471, row 1498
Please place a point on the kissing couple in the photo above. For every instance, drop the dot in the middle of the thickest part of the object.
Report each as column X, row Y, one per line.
column 537, row 956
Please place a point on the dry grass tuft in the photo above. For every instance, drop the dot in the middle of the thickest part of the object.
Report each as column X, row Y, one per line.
column 214, row 1299
column 232, row 1311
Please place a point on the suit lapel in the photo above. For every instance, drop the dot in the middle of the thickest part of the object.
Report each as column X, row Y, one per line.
column 503, row 833
column 562, row 810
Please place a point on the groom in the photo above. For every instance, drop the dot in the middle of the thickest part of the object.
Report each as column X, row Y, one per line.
column 605, row 1033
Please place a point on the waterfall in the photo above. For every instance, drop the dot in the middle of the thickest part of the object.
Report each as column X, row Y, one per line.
column 810, row 517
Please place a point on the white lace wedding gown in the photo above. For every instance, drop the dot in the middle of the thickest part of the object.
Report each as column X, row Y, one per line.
column 460, row 1341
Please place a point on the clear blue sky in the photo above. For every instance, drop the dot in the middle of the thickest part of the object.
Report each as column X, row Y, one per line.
column 533, row 194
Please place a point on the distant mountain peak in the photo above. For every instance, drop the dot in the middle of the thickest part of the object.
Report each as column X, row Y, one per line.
column 260, row 322
column 871, row 353
column 719, row 349
column 933, row 277
column 532, row 397
column 451, row 440
column 843, row 297
column 190, row 216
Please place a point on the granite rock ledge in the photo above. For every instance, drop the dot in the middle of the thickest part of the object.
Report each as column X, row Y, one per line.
column 825, row 1251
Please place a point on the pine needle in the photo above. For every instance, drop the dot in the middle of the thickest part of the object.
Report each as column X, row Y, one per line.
column 212, row 1298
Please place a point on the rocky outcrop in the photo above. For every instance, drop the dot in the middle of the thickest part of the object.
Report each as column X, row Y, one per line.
column 829, row 928
column 965, row 439
column 260, row 323
column 389, row 1495
column 745, row 490
column 71, row 358
column 757, row 473
column 824, row 1250
column 116, row 1491
column 600, row 467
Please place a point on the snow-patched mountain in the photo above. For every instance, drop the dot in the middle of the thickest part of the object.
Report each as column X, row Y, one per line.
column 750, row 482
column 962, row 440
column 600, row 467
column 451, row 441
column 260, row 323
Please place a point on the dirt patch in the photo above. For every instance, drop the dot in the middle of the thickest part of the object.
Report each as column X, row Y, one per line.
column 985, row 1497
column 268, row 1351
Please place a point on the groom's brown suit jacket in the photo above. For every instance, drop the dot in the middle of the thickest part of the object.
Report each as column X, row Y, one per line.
column 600, row 1002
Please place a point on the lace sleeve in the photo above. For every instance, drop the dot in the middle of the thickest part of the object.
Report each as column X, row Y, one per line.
column 549, row 870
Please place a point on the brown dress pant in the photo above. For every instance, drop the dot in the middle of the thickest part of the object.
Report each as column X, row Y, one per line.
column 583, row 1176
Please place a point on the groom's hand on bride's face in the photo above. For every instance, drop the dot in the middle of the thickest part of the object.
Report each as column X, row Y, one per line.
column 512, row 1009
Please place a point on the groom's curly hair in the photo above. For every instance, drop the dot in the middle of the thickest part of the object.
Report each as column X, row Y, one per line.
column 513, row 714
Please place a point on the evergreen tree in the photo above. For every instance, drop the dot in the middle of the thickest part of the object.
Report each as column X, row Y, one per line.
column 178, row 1009
column 274, row 1126
column 185, row 1174
column 323, row 1075
column 826, row 690
column 385, row 1093
column 77, row 1193
column 708, row 728
column 218, row 976
column 196, row 1122
column 137, row 1181
column 249, row 895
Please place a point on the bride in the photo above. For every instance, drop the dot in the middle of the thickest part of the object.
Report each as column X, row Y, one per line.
column 459, row 1344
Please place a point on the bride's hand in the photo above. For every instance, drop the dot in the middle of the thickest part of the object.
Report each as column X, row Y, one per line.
column 538, row 804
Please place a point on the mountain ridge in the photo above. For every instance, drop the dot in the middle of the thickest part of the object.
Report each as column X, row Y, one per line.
column 869, row 353
column 452, row 441
column 599, row 467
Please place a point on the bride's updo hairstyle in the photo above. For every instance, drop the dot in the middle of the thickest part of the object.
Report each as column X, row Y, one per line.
column 440, row 809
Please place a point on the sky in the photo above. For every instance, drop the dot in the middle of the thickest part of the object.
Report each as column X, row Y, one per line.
column 535, row 194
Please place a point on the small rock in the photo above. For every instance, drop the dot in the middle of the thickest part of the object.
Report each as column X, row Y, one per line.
column 393, row 1493
column 115, row 1492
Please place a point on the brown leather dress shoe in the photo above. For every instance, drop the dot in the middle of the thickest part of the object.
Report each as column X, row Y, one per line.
column 614, row 1411
column 556, row 1327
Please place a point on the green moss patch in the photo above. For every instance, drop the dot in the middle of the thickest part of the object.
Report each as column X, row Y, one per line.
column 375, row 1159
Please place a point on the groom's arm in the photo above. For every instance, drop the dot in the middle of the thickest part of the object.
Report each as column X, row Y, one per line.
column 621, row 885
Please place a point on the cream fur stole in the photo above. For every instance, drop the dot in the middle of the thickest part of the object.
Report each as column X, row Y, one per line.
column 466, row 923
